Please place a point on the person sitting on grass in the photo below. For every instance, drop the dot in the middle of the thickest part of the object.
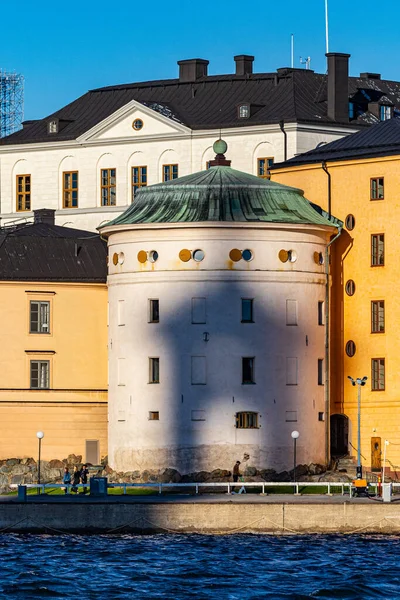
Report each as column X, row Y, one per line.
column 66, row 478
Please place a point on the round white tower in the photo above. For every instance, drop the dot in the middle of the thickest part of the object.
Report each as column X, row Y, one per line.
column 216, row 325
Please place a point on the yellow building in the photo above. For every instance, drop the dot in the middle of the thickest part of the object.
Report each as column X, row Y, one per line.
column 357, row 179
column 53, row 351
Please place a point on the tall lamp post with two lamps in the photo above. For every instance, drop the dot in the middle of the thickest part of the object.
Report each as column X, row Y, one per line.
column 360, row 383
column 40, row 436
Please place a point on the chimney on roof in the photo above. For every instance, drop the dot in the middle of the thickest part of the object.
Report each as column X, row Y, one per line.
column 244, row 64
column 192, row 69
column 370, row 75
column 44, row 215
column 338, row 86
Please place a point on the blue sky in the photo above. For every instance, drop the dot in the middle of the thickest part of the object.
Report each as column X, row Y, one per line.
column 64, row 49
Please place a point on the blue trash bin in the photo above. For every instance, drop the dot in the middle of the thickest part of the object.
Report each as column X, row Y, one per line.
column 22, row 489
column 98, row 486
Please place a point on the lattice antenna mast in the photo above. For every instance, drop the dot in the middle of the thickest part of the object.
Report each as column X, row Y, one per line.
column 11, row 102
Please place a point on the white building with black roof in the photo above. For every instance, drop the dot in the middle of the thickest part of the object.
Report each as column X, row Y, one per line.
column 87, row 160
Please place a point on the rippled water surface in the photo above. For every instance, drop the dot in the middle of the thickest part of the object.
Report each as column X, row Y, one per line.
column 239, row 567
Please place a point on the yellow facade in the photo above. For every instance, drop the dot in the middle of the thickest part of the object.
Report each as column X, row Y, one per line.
column 73, row 410
column 351, row 316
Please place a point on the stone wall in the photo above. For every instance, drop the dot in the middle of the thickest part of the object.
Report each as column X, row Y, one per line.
column 25, row 470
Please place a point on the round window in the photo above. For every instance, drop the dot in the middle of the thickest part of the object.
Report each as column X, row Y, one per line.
column 292, row 256
column 350, row 222
column 142, row 256
column 247, row 255
column 350, row 348
column 153, row 256
column 121, row 258
column 198, row 255
column 115, row 258
column 137, row 124
column 350, row 287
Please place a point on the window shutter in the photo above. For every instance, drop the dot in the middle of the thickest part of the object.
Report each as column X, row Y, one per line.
column 291, row 371
column 198, row 310
column 291, row 312
column 199, row 370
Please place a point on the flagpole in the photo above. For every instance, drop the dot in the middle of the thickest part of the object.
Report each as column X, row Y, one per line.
column 326, row 26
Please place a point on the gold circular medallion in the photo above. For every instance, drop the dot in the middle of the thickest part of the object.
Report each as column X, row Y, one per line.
column 283, row 255
column 185, row 255
column 235, row 254
column 115, row 258
column 142, row 256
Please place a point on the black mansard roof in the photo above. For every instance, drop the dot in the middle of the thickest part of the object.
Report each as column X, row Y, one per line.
column 291, row 95
column 42, row 251
column 382, row 139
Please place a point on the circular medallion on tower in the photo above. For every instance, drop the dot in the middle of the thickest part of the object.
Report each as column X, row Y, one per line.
column 220, row 147
column 235, row 255
column 185, row 255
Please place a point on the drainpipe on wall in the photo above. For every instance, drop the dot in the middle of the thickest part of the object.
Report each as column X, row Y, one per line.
column 282, row 126
column 327, row 316
column 329, row 188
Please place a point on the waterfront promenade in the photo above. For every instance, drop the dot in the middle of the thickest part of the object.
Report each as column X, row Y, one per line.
column 204, row 514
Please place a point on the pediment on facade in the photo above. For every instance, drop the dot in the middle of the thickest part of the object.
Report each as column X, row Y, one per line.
column 136, row 121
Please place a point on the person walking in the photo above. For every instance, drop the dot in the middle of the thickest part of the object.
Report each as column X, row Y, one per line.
column 66, row 478
column 84, row 477
column 236, row 472
column 76, row 478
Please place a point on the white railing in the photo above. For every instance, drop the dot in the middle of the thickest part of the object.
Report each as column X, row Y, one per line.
column 331, row 487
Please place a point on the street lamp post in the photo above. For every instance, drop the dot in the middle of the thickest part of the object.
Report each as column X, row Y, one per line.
column 384, row 460
column 40, row 436
column 295, row 436
column 359, row 382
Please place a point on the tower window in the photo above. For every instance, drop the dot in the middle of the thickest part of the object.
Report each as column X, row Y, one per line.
column 154, row 307
column 247, row 310
column 246, row 420
column 248, row 370
column 320, row 371
column 154, row 370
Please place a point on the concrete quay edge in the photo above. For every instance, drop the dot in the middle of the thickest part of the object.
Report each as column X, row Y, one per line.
column 202, row 516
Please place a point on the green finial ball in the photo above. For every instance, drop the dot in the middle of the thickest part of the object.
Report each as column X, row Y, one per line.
column 220, row 147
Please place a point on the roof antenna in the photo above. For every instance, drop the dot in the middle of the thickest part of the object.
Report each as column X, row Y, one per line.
column 292, row 50
column 306, row 61
column 327, row 26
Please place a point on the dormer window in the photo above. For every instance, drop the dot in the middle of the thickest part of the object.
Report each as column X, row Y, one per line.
column 244, row 111
column 386, row 113
column 53, row 126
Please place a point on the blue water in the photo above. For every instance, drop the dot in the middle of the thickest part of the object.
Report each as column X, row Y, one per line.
column 240, row 567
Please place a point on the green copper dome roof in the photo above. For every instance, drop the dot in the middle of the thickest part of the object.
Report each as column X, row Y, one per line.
column 222, row 194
